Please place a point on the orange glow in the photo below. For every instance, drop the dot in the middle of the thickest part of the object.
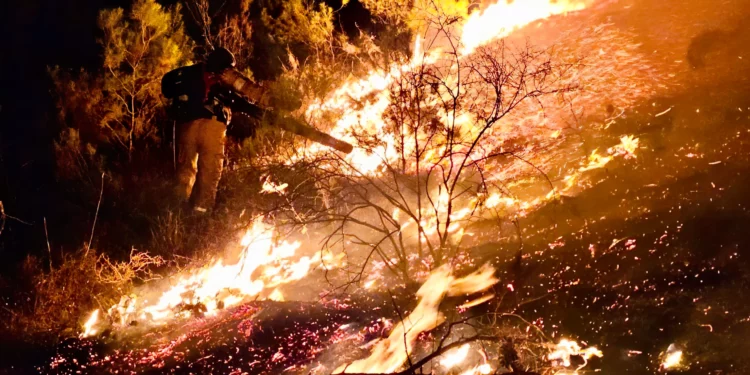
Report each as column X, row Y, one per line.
column 361, row 103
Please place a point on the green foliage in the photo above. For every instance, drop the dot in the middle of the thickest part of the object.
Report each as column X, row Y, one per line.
column 139, row 48
column 119, row 109
column 301, row 23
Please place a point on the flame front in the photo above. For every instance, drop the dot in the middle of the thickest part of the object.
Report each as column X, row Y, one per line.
column 221, row 285
column 502, row 18
column 360, row 107
column 264, row 265
column 362, row 103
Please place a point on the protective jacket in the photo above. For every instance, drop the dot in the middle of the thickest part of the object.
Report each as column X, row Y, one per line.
column 194, row 94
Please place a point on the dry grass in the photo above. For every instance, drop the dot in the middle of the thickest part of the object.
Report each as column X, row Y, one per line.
column 61, row 296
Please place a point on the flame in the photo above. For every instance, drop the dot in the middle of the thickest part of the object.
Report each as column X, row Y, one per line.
column 360, row 104
column 672, row 358
column 502, row 18
column 455, row 356
column 626, row 148
column 568, row 348
column 264, row 265
column 596, row 161
column 272, row 187
column 88, row 327
column 221, row 285
column 483, row 369
column 388, row 355
column 477, row 302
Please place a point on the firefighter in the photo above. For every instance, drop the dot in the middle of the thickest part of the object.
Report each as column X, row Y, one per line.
column 203, row 119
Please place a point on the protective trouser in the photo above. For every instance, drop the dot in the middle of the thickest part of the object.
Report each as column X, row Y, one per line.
column 201, row 160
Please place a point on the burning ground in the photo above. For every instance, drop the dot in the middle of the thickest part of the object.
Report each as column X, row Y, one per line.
column 643, row 257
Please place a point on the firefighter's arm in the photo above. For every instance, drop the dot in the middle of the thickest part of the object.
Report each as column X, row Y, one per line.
column 252, row 91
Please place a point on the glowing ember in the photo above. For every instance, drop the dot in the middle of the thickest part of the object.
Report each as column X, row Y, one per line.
column 568, row 348
column 388, row 355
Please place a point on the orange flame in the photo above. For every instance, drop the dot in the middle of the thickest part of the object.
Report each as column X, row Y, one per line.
column 672, row 358
column 502, row 18
column 565, row 349
column 362, row 103
column 272, row 187
column 263, row 267
column 88, row 327
column 389, row 354
column 455, row 356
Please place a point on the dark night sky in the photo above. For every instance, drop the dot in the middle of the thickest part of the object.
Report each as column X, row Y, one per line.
column 38, row 33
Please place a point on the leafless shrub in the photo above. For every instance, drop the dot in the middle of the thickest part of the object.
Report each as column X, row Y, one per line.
column 432, row 148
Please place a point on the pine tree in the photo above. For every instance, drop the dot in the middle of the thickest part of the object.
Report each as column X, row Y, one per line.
column 117, row 110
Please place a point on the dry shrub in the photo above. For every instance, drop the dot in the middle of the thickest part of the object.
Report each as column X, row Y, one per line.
column 62, row 295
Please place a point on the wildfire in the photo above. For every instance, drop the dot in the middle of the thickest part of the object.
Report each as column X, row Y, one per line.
column 360, row 106
column 361, row 103
column 264, row 265
column 389, row 355
column 502, row 18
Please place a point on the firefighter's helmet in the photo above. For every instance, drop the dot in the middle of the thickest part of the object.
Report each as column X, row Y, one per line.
column 220, row 59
